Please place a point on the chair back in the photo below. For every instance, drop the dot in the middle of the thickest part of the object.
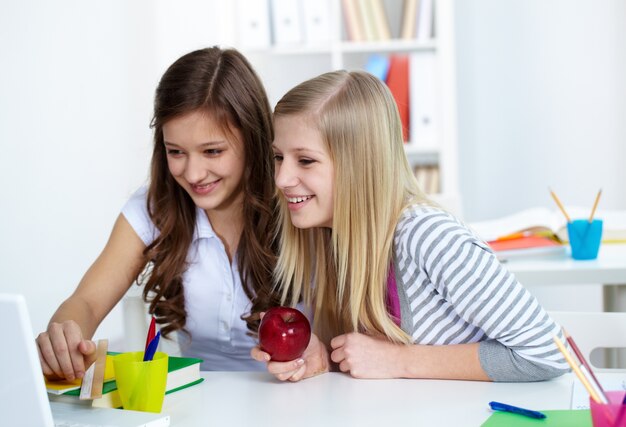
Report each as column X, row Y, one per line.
column 597, row 330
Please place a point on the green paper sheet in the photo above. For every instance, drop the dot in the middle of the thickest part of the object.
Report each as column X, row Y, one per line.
column 566, row 417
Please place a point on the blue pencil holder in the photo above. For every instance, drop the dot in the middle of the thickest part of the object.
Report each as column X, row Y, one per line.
column 585, row 238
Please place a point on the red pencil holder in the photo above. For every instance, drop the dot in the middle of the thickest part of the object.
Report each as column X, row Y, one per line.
column 612, row 414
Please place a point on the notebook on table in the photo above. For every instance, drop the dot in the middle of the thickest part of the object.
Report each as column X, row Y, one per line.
column 23, row 395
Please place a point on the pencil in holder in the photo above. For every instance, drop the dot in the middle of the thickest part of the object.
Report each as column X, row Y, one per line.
column 141, row 385
column 612, row 414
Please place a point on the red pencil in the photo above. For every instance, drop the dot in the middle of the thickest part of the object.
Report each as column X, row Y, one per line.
column 151, row 332
column 583, row 361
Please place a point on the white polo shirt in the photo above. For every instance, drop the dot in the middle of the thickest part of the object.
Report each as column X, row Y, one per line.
column 214, row 297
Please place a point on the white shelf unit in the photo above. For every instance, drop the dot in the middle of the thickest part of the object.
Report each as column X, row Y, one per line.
column 283, row 66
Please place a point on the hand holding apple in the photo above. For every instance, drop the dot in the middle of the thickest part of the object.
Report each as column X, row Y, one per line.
column 284, row 333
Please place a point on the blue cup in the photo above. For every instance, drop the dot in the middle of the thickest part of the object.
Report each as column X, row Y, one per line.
column 585, row 238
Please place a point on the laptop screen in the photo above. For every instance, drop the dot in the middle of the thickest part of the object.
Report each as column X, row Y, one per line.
column 23, row 393
column 23, row 397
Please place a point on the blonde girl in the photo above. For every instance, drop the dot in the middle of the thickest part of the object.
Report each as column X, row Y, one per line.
column 398, row 287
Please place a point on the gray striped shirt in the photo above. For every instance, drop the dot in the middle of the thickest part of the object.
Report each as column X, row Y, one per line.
column 452, row 290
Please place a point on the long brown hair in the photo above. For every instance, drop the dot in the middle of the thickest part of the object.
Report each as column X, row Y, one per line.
column 223, row 83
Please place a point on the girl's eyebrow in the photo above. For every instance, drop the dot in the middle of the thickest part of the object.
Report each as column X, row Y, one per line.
column 302, row 149
column 204, row 144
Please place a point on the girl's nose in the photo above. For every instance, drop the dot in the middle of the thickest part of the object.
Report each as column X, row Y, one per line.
column 194, row 170
column 284, row 176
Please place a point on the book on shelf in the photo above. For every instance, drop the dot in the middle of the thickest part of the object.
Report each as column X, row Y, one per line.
column 352, row 19
column 409, row 19
column 541, row 221
column 427, row 177
column 366, row 20
column 378, row 65
column 425, row 17
column 418, row 20
column 182, row 372
column 381, row 21
column 366, row 15
column 398, row 83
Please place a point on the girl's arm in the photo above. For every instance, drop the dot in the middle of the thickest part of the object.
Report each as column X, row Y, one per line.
column 64, row 348
column 454, row 290
column 364, row 356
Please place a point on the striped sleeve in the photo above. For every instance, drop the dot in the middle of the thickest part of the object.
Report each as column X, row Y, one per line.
column 470, row 296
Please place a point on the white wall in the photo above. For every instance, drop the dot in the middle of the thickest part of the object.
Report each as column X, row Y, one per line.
column 539, row 83
column 542, row 102
column 77, row 81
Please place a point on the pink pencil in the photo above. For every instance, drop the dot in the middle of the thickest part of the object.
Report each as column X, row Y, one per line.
column 584, row 362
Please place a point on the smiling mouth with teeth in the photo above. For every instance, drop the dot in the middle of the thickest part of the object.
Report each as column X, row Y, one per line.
column 298, row 199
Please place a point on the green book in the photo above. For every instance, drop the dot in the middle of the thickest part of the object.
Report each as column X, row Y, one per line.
column 182, row 372
column 565, row 417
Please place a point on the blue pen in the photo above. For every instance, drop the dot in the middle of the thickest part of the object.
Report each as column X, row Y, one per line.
column 497, row 406
column 152, row 346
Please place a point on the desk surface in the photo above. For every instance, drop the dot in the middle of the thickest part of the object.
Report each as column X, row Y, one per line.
column 609, row 268
column 335, row 399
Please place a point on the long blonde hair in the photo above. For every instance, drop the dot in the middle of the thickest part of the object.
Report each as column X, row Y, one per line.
column 343, row 271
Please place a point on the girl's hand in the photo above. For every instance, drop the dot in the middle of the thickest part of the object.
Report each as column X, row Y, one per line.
column 63, row 352
column 364, row 356
column 314, row 361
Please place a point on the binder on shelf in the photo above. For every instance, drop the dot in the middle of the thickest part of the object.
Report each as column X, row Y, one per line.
column 398, row 82
column 425, row 19
column 253, row 24
column 286, row 22
column 316, row 20
column 424, row 120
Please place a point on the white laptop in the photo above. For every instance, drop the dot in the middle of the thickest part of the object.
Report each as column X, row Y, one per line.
column 23, row 398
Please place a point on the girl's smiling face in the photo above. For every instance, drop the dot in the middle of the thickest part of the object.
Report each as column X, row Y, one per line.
column 205, row 161
column 304, row 172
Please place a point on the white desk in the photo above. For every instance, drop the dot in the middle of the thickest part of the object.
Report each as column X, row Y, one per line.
column 335, row 399
column 608, row 269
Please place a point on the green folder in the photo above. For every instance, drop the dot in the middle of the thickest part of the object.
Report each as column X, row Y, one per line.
column 566, row 417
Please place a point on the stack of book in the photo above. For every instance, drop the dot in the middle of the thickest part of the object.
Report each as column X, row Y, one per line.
column 542, row 231
column 532, row 232
column 526, row 243
column 183, row 372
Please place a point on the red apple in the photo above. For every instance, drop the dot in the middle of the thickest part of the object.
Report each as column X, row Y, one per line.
column 284, row 333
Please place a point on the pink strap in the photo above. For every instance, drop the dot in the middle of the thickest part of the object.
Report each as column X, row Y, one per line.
column 393, row 302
